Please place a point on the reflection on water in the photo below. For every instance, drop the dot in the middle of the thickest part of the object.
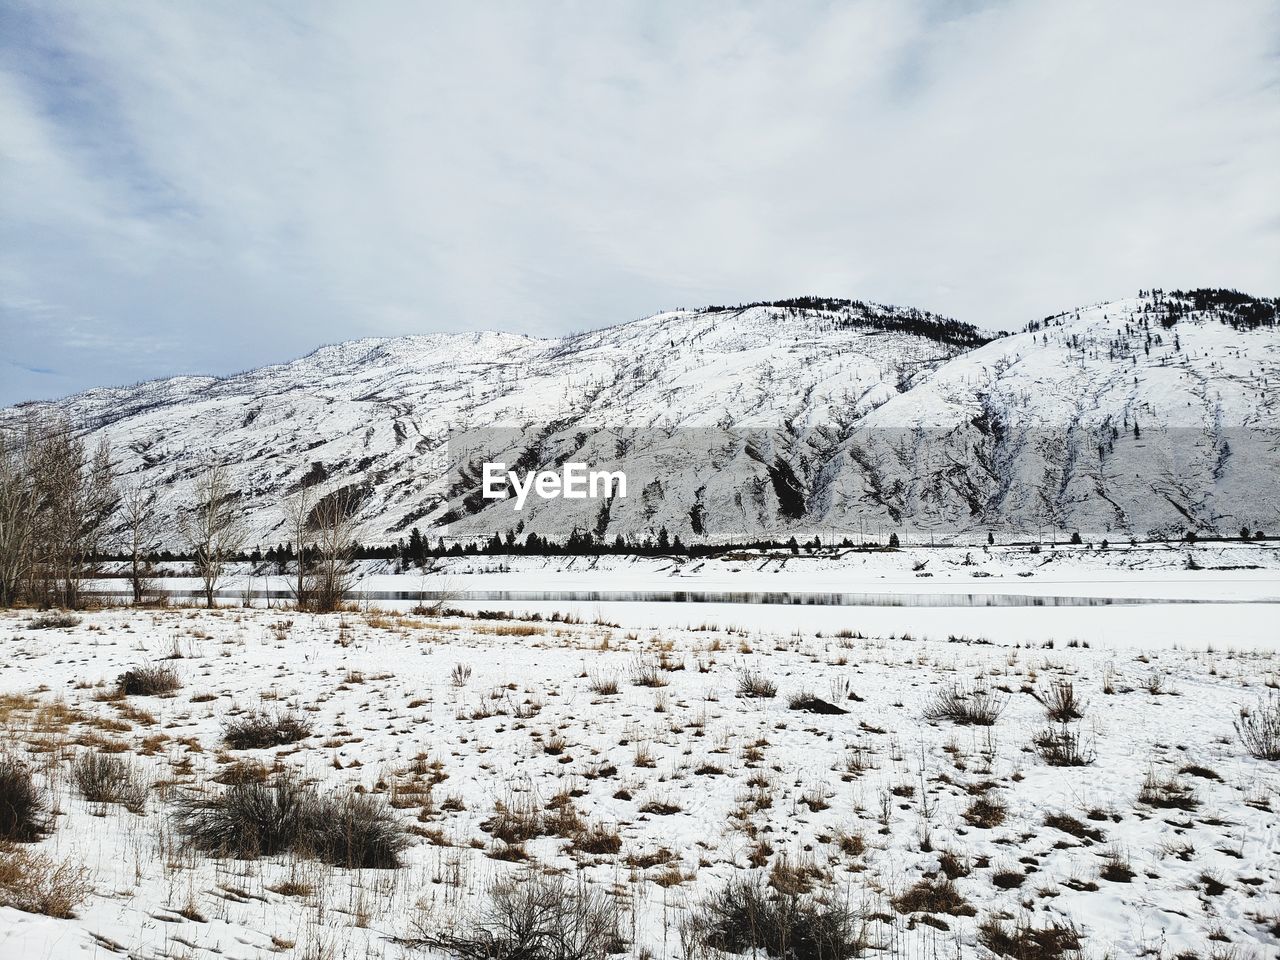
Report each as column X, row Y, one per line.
column 779, row 597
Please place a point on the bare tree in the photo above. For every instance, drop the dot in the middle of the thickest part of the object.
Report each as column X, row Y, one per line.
column 335, row 543
column 212, row 527
column 18, row 500
column 141, row 526
column 55, row 501
column 75, row 498
column 298, row 507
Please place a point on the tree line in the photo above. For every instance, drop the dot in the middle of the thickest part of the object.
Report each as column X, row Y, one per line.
column 63, row 512
column 922, row 323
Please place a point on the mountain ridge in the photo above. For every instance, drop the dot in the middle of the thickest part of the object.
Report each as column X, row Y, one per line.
column 789, row 416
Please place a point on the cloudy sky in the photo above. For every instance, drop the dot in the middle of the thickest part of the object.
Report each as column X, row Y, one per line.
column 206, row 187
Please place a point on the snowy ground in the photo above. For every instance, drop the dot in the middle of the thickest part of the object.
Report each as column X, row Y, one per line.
column 700, row 783
column 932, row 593
column 1150, row 570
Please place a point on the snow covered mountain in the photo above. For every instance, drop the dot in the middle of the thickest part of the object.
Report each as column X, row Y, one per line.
column 806, row 417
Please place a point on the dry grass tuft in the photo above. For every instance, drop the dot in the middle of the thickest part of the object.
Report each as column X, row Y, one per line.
column 978, row 707
column 23, row 805
column 934, row 896
column 1259, row 729
column 1167, row 793
column 53, row 620
column 604, row 685
column 1061, row 704
column 753, row 684
column 1064, row 746
column 1023, row 941
column 259, row 729
column 535, row 917
column 747, row 916
column 256, row 819
column 103, row 778
column 985, row 812
column 148, row 682
column 34, row 883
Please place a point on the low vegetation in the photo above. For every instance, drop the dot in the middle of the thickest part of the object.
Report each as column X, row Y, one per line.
column 259, row 729
column 535, row 917
column 249, row 820
column 533, row 792
column 23, row 805
column 934, row 896
column 1061, row 704
column 1023, row 940
column 1259, row 729
column 1063, row 745
column 747, row 916
column 148, row 682
column 35, row 883
column 104, row 778
column 978, row 707
column 752, row 683
column 53, row 620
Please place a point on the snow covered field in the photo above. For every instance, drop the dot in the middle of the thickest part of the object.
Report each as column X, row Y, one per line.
column 1150, row 595
column 500, row 746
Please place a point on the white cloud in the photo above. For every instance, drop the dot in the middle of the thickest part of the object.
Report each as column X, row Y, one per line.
column 246, row 181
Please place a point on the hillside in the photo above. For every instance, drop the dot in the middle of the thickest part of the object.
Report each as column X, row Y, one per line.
column 812, row 417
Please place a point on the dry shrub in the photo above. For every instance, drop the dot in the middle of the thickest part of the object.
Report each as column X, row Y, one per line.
column 516, row 821
column 851, row 844
column 598, row 839
column 1023, row 941
column 258, row 819
column 1116, row 867
column 1061, row 703
column 985, row 812
column 35, row 883
column 791, row 878
column 53, row 620
column 259, row 729
column 1064, row 746
column 1167, row 793
column 605, row 685
column 23, row 805
column 515, row 630
column 747, row 916
column 243, row 771
column 647, row 673
column 934, row 896
column 978, row 707
column 103, row 778
column 1259, row 729
column 753, row 683
column 952, row 866
column 536, row 917
column 148, row 682
column 247, row 819
column 357, row 831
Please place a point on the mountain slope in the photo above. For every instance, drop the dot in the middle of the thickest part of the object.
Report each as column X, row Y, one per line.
column 1135, row 417
column 806, row 417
